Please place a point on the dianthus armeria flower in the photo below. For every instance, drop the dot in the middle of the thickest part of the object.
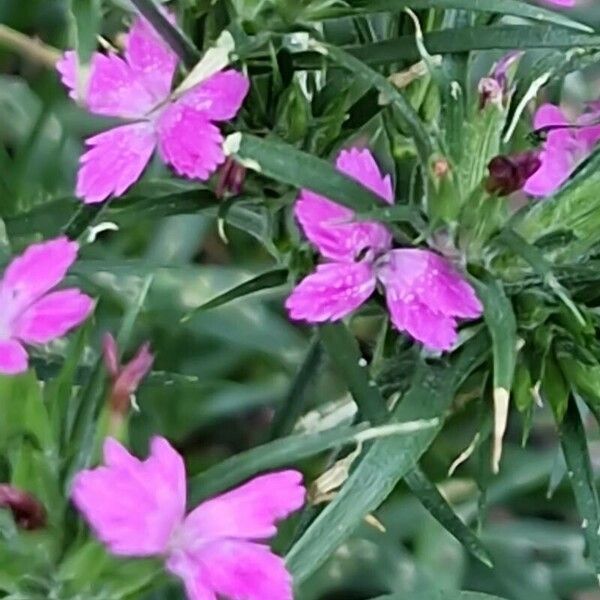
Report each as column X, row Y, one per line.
column 31, row 313
column 137, row 508
column 425, row 294
column 138, row 88
column 567, row 145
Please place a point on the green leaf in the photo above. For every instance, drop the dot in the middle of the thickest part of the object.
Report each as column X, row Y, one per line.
column 343, row 351
column 86, row 19
column 502, row 325
column 430, row 497
column 264, row 281
column 289, row 450
column 385, row 463
column 574, row 208
column 516, row 8
column 442, row 595
column 170, row 33
column 288, row 165
column 390, row 93
column 581, row 476
column 291, row 408
column 505, row 37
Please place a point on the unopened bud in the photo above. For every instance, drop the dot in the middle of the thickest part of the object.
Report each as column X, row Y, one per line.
column 28, row 512
column 509, row 174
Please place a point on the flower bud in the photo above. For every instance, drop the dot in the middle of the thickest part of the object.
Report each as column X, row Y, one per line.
column 28, row 512
column 509, row 174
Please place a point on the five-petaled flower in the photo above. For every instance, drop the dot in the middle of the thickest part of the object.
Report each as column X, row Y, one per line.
column 138, row 88
column 137, row 508
column 30, row 312
column 425, row 295
column 567, row 145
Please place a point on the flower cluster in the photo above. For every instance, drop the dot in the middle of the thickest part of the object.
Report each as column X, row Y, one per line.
column 137, row 507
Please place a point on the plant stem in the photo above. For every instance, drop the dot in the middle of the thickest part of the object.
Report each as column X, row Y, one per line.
column 29, row 48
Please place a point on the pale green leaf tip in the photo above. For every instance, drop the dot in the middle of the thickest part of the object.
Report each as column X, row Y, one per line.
column 501, row 400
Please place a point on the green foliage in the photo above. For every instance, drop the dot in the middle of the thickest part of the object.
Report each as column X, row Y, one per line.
column 240, row 389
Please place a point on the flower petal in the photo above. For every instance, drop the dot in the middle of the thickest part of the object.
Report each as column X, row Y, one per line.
column 435, row 330
column 13, row 358
column 29, row 276
column 330, row 227
column 361, row 165
column 189, row 142
column 238, row 570
column 427, row 277
column 220, row 97
column 249, row 511
column 113, row 88
column 331, row 292
column 149, row 56
column 133, row 506
column 52, row 316
column 557, row 166
column 114, row 161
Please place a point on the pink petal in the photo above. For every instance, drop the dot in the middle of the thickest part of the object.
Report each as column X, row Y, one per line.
column 114, row 161
column 548, row 115
column 361, row 165
column 149, row 56
column 113, row 87
column 52, row 316
column 189, row 142
column 135, row 370
column 435, row 330
column 133, row 506
column 237, row 570
column 561, row 2
column 249, row 511
column 220, row 97
column 426, row 277
column 110, row 353
column 29, row 276
column 13, row 358
column 330, row 227
column 557, row 166
column 331, row 292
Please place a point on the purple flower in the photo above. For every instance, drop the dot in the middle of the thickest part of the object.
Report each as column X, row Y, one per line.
column 137, row 508
column 138, row 87
column 567, row 145
column 31, row 312
column 425, row 295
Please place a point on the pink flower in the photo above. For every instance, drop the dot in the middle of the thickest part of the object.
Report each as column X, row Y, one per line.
column 137, row 508
column 567, row 145
column 31, row 313
column 138, row 87
column 425, row 295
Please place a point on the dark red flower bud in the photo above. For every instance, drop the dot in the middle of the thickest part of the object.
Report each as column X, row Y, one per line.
column 231, row 179
column 509, row 174
column 28, row 512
